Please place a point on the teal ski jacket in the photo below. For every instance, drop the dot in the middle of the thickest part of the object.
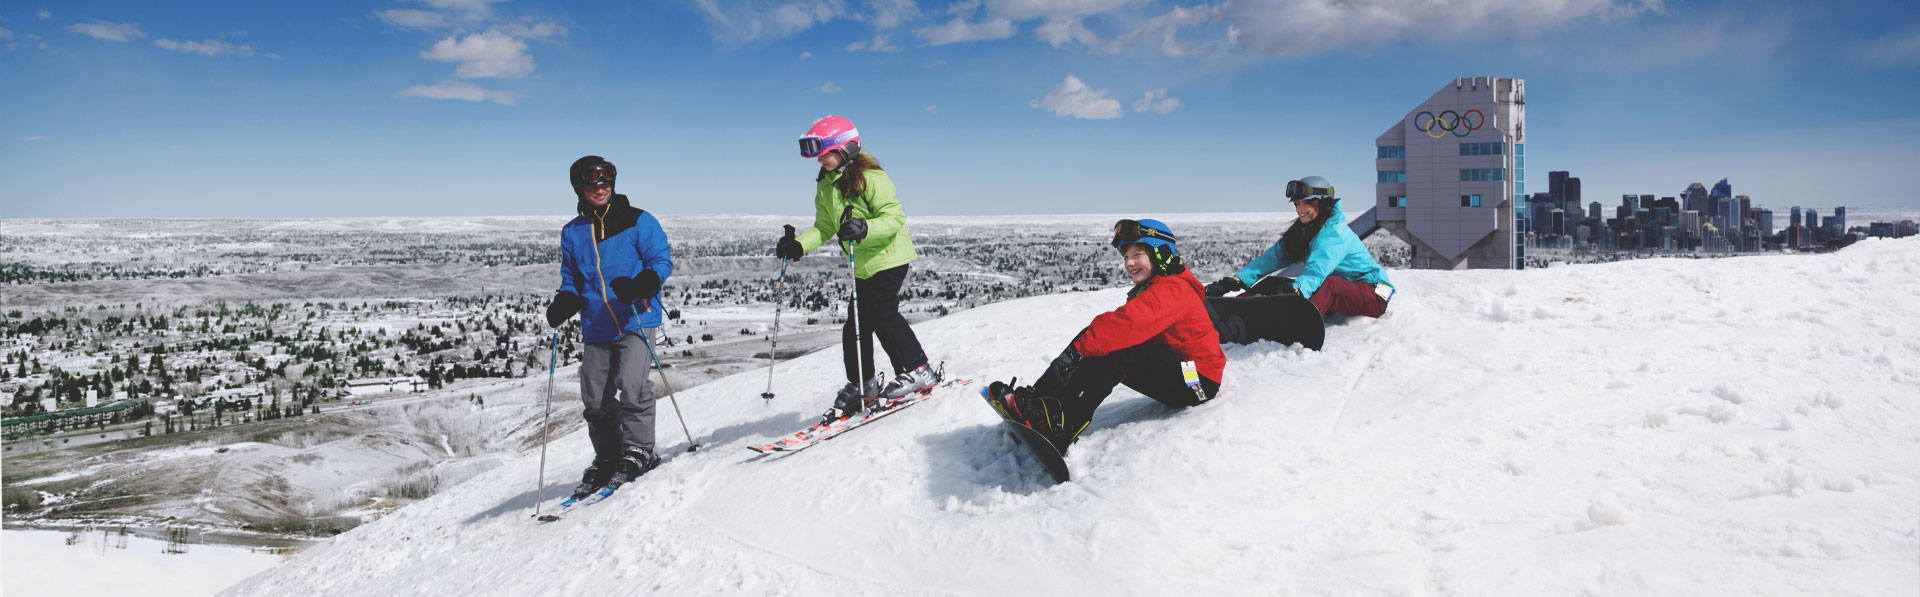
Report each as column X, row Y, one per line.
column 1335, row 251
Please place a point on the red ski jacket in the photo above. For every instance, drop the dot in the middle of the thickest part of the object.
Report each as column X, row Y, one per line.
column 1170, row 310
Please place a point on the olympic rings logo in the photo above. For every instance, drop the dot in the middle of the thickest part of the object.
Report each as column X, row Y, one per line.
column 1448, row 122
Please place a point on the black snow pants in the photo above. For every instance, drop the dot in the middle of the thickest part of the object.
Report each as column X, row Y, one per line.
column 1150, row 368
column 880, row 316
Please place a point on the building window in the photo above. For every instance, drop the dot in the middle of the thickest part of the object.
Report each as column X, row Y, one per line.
column 1392, row 151
column 1480, row 174
column 1520, row 188
column 1397, row 201
column 1519, row 162
column 1480, row 148
column 1519, row 149
column 1469, row 201
column 1519, row 175
column 1393, row 176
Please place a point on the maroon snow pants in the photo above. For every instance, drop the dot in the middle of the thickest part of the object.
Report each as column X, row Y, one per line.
column 1347, row 297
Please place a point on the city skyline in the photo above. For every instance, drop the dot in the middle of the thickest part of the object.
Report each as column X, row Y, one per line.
column 473, row 107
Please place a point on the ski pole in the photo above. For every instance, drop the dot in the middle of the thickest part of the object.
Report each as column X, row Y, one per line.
column 853, row 273
column 773, row 355
column 553, row 357
column 691, row 446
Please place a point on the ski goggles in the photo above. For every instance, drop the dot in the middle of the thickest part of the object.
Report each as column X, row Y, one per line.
column 812, row 146
column 1128, row 232
column 1297, row 190
column 598, row 175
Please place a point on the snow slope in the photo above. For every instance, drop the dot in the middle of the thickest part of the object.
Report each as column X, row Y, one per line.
column 1730, row 426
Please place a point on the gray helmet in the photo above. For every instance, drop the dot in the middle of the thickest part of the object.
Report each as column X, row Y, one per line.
column 1311, row 187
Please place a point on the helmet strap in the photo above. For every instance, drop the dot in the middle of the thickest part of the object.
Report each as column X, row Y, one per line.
column 847, row 153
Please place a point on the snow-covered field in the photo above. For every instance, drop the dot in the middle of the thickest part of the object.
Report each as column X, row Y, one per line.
column 41, row 563
column 1680, row 427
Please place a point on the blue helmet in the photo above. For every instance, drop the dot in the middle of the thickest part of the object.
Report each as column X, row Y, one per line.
column 1156, row 236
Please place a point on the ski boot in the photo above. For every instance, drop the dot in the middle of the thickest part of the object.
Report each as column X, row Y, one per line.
column 595, row 477
column 920, row 378
column 853, row 398
column 631, row 466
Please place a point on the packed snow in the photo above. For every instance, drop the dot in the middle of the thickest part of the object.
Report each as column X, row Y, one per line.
column 108, row 563
column 1664, row 426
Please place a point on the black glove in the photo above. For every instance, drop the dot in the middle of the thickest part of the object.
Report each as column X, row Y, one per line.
column 564, row 306
column 1058, row 380
column 1225, row 285
column 637, row 288
column 1273, row 285
column 852, row 230
column 789, row 247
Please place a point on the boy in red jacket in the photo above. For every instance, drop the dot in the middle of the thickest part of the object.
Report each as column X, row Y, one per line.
column 1146, row 344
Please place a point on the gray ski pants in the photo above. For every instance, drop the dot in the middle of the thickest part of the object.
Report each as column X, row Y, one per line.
column 618, row 394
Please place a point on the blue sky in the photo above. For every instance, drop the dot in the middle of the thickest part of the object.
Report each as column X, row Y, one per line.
column 475, row 107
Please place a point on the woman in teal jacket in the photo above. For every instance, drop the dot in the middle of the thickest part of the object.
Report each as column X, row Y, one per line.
column 1338, row 274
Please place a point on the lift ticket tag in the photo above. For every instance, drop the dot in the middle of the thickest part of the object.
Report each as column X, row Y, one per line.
column 1192, row 376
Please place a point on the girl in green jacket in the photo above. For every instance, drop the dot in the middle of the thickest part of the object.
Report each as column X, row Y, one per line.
column 854, row 203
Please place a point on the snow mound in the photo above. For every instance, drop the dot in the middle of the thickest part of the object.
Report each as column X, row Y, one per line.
column 1730, row 426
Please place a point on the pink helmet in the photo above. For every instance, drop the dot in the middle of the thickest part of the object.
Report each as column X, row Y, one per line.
column 829, row 134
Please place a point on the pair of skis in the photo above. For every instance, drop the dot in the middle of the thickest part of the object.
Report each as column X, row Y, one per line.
column 825, row 430
column 571, row 503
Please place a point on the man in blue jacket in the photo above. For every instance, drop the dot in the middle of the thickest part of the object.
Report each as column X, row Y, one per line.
column 613, row 258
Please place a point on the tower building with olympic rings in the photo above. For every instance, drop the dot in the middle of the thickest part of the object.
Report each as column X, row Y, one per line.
column 1452, row 172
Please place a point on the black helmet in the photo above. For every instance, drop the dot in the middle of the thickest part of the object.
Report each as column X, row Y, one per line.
column 1311, row 187
column 588, row 170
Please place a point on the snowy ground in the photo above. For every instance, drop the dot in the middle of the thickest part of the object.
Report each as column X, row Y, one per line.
column 1730, row 427
column 41, row 563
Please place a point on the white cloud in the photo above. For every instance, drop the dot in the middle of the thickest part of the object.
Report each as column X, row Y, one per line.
column 1157, row 101
column 880, row 43
column 806, row 55
column 44, row 15
column 1900, row 50
column 414, row 19
column 108, row 31
column 1304, row 27
column 5, row 34
column 528, row 29
column 887, row 14
column 460, row 90
column 1020, row 10
column 742, row 22
column 827, row 88
column 1074, row 98
column 959, row 30
column 962, row 29
column 1166, row 28
column 471, row 6
column 487, row 54
column 211, row 47
column 932, row 109
column 1058, row 31
column 35, row 137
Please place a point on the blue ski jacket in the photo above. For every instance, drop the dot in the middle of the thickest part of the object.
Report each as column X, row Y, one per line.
column 1335, row 251
column 616, row 240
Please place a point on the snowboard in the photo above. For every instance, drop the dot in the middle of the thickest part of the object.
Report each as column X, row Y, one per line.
column 1036, row 444
column 1286, row 318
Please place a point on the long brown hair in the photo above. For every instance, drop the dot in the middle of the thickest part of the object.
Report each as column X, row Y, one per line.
column 1297, row 240
column 853, row 181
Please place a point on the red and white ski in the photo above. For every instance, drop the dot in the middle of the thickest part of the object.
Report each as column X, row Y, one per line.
column 826, row 430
